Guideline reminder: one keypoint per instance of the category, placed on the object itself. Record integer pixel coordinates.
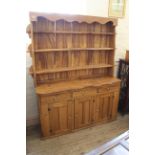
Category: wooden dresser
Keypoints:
(72, 68)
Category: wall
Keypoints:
(89, 7)
(100, 8)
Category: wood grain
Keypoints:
(70, 18)
(73, 64)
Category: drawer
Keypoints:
(108, 88)
(84, 92)
(57, 97)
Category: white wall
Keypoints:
(100, 8)
(89, 7)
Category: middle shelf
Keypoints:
(73, 49)
(70, 68)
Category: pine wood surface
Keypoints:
(65, 49)
(72, 68)
(72, 49)
(76, 84)
(67, 111)
(77, 143)
(70, 18)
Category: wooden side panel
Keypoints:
(111, 105)
(115, 104)
(44, 117)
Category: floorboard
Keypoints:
(76, 143)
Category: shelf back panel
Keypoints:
(64, 34)
(72, 75)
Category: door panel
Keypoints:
(83, 112)
(115, 105)
(44, 117)
(111, 105)
(104, 106)
(60, 116)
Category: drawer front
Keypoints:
(85, 92)
(57, 97)
(109, 88)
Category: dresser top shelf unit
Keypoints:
(70, 47)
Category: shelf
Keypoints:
(72, 68)
(73, 32)
(73, 49)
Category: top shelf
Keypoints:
(34, 16)
(71, 32)
(73, 49)
(77, 32)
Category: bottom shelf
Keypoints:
(74, 84)
(64, 69)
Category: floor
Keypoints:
(76, 143)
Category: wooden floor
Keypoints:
(76, 143)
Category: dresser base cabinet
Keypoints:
(70, 110)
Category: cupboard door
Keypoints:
(115, 105)
(83, 112)
(44, 118)
(60, 115)
(104, 106)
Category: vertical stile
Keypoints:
(70, 52)
(81, 54)
(103, 59)
(106, 45)
(49, 55)
(55, 29)
(102, 45)
(55, 34)
(87, 52)
(112, 52)
(41, 44)
(45, 44)
(50, 45)
(64, 58)
(33, 55)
